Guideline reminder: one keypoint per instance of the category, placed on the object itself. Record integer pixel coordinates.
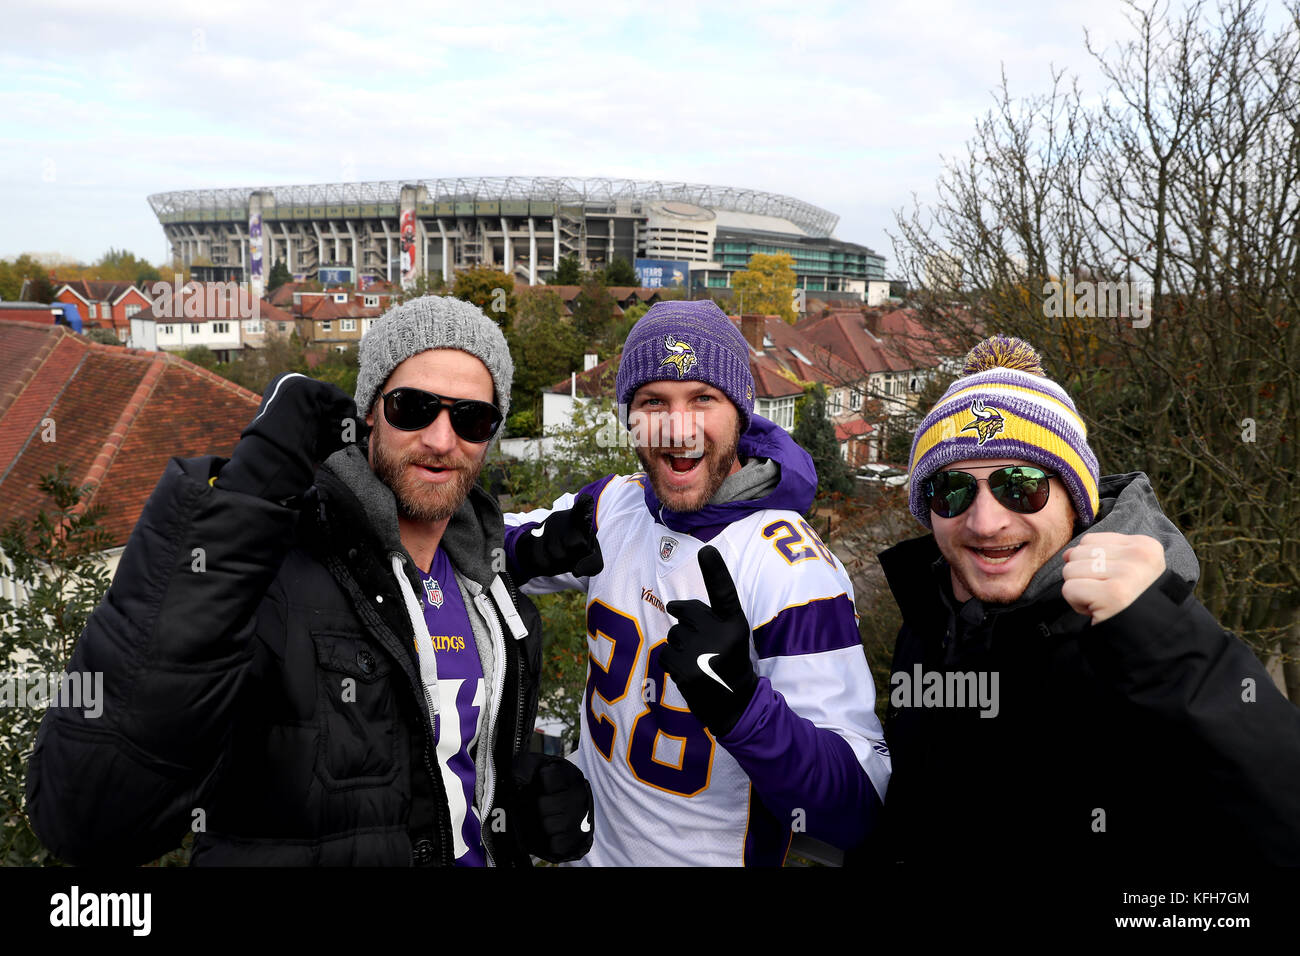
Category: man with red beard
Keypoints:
(728, 703)
(328, 661)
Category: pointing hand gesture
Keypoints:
(708, 649)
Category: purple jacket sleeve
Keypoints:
(809, 739)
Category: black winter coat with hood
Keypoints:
(1154, 737)
(261, 685)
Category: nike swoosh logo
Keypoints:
(539, 530)
(586, 823)
(702, 662)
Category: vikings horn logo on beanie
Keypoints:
(687, 341)
(1005, 406)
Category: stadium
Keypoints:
(675, 233)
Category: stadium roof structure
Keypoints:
(558, 189)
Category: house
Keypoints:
(113, 415)
(223, 316)
(336, 318)
(104, 304)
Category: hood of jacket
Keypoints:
(1128, 506)
(794, 490)
(347, 476)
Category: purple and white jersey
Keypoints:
(808, 755)
(460, 704)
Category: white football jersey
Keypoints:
(808, 755)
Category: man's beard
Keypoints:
(717, 462)
(419, 500)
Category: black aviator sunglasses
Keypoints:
(1019, 488)
(410, 409)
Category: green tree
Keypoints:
(767, 286)
(202, 356)
(568, 272)
(620, 272)
(593, 315)
(122, 266)
(339, 368)
(278, 277)
(816, 434)
(633, 312)
(423, 285)
(41, 289)
(491, 290)
(102, 336)
(54, 560)
(13, 273)
(545, 347)
(255, 368)
(593, 446)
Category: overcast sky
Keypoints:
(846, 105)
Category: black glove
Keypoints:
(565, 542)
(301, 422)
(555, 808)
(708, 649)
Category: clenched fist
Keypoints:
(1105, 572)
(301, 422)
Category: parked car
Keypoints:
(885, 474)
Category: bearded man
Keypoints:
(345, 678)
(728, 703)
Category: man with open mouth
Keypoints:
(1130, 727)
(728, 704)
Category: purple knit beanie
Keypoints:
(681, 341)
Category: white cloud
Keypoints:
(845, 105)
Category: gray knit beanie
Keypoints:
(432, 322)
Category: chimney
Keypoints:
(871, 319)
(589, 361)
(752, 328)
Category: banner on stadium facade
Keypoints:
(255, 251)
(662, 273)
(408, 248)
(335, 275)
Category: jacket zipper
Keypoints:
(517, 740)
(487, 608)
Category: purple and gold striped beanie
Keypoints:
(1005, 406)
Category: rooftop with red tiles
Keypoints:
(116, 416)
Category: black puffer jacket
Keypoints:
(1155, 737)
(261, 685)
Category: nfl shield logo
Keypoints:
(433, 591)
(666, 547)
